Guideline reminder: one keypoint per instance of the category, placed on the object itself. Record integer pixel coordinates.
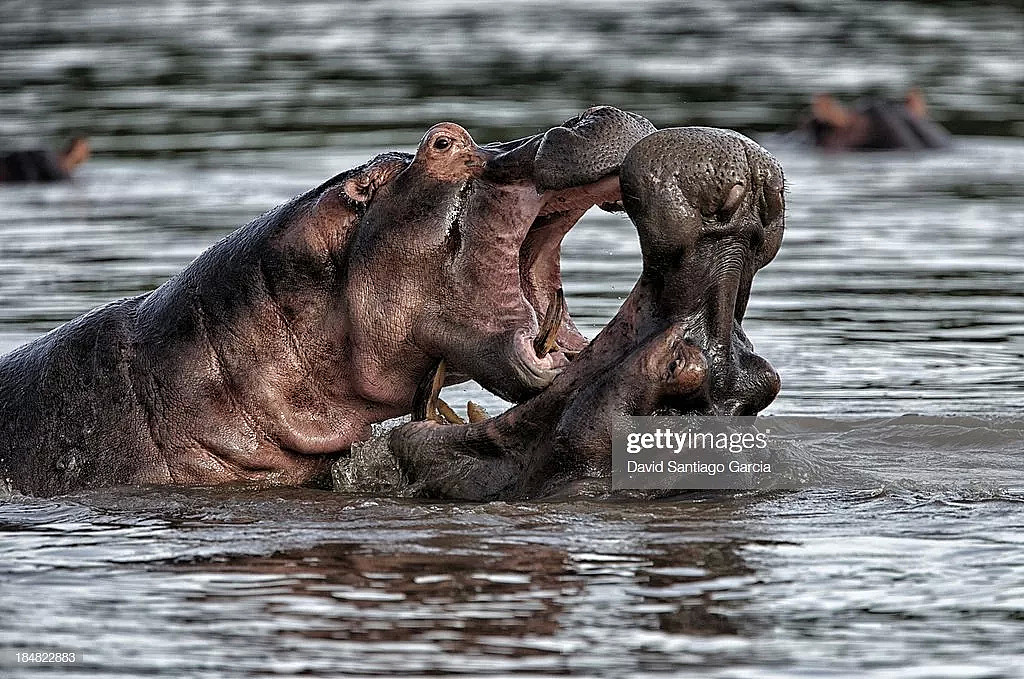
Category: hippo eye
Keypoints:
(442, 143)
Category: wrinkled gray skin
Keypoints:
(709, 208)
(276, 349)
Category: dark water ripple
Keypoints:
(191, 76)
(290, 582)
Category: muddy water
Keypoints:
(899, 290)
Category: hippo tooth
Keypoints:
(449, 415)
(424, 405)
(435, 390)
(546, 336)
(475, 413)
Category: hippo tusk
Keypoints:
(548, 333)
(475, 413)
(424, 404)
(449, 415)
(428, 404)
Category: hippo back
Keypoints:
(68, 410)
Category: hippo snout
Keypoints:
(582, 150)
(744, 384)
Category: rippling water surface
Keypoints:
(899, 290)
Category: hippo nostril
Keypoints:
(687, 372)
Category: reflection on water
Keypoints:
(215, 583)
(899, 289)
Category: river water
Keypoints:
(898, 296)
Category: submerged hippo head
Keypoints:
(458, 255)
(710, 210)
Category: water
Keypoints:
(899, 290)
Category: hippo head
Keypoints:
(457, 255)
(710, 211)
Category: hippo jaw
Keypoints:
(573, 167)
(456, 258)
(518, 333)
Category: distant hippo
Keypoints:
(874, 125)
(40, 165)
(275, 350)
(709, 206)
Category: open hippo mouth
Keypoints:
(463, 247)
(556, 339)
(540, 272)
(555, 177)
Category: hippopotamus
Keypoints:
(874, 124)
(276, 349)
(42, 165)
(709, 206)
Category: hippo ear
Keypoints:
(772, 205)
(341, 200)
(358, 189)
(361, 184)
